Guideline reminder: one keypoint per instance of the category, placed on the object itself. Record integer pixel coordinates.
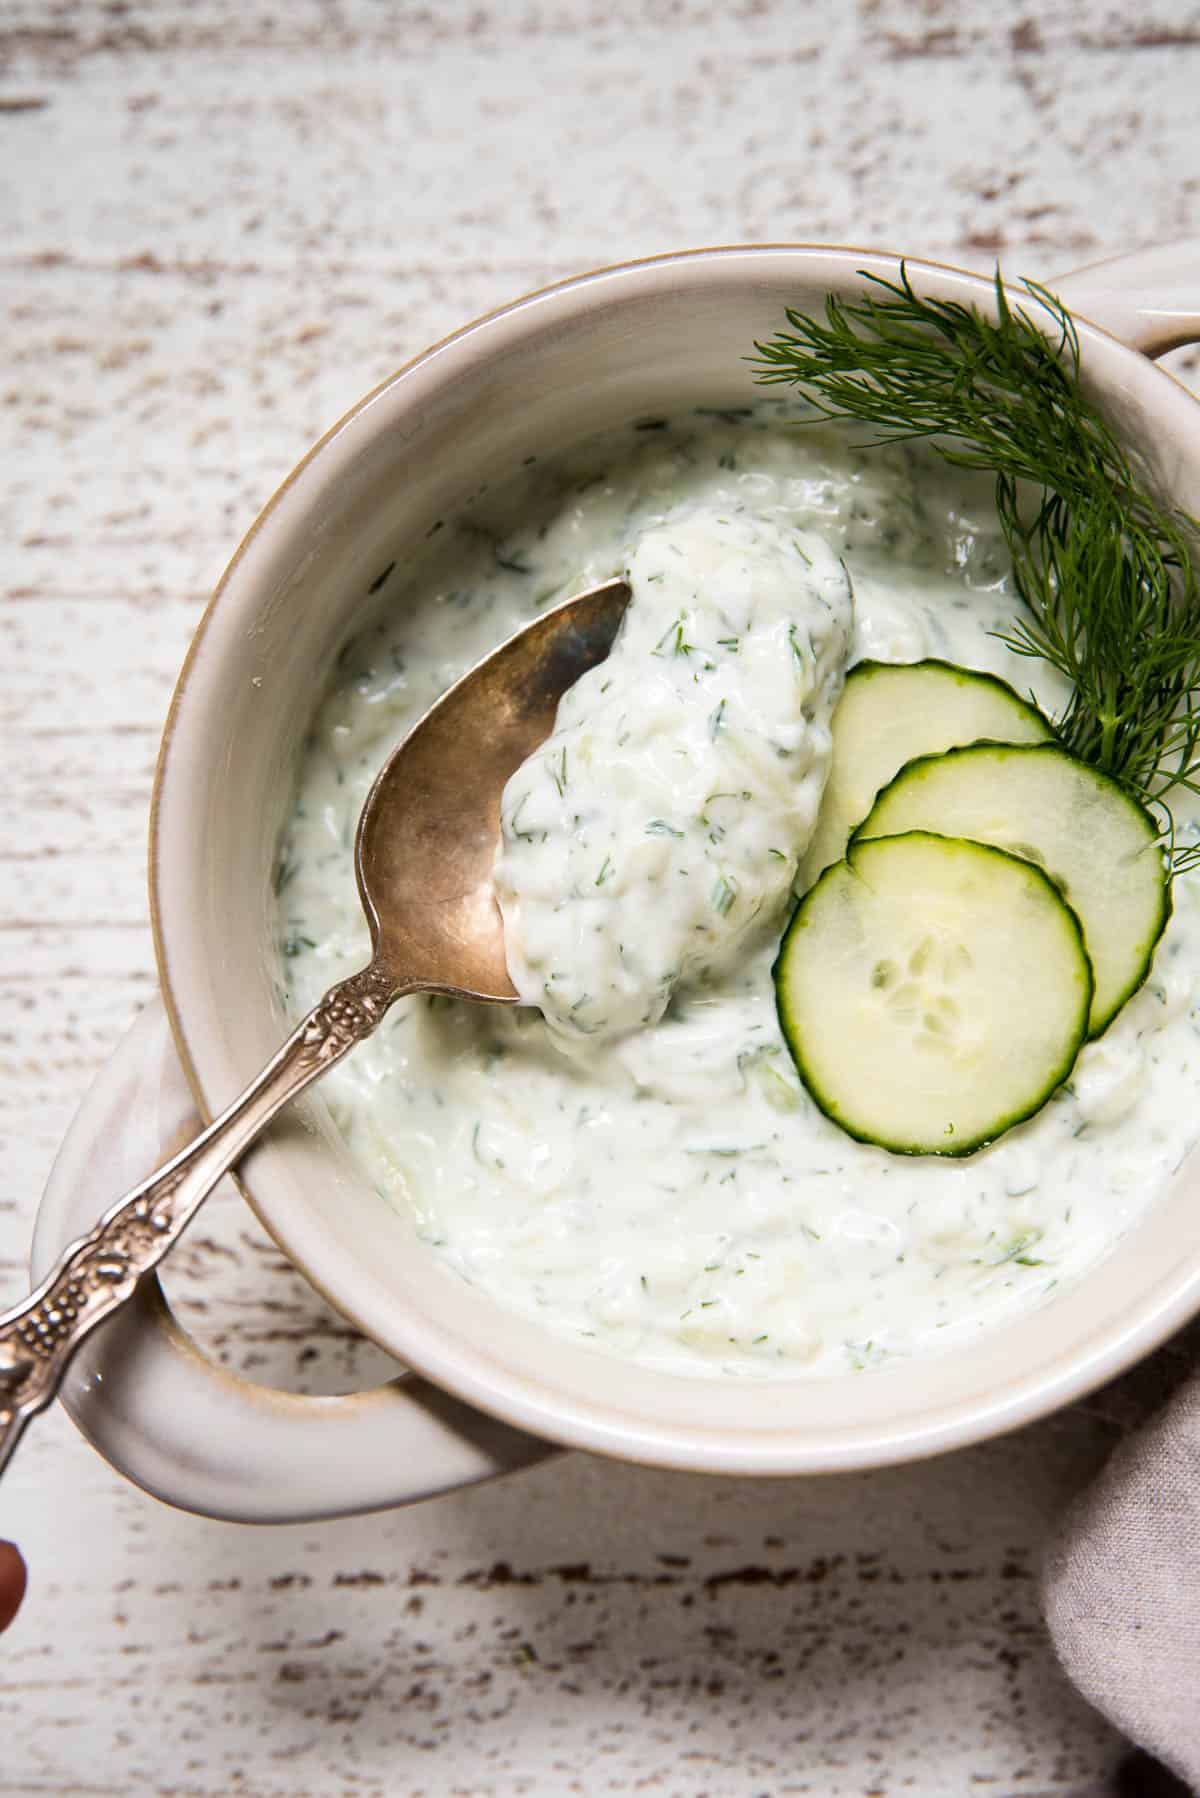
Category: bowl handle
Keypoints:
(188, 1431)
(1148, 298)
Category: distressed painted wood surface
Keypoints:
(219, 224)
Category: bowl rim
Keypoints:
(541, 1408)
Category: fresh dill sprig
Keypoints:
(1104, 568)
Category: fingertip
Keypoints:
(12, 1582)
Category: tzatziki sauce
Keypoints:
(630, 1158)
(653, 839)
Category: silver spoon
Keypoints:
(423, 860)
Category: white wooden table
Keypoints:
(220, 223)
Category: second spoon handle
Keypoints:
(99, 1272)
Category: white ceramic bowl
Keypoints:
(536, 377)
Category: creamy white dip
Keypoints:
(653, 839)
(668, 1191)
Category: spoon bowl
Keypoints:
(428, 832)
(423, 857)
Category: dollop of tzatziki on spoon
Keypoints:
(654, 836)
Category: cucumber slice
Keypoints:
(1099, 846)
(890, 712)
(933, 992)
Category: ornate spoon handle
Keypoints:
(98, 1273)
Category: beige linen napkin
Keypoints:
(1121, 1582)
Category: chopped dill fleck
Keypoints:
(522, 836)
(799, 656)
(515, 564)
(379, 580)
(725, 1151)
(723, 895)
(1017, 1251)
(673, 641)
(605, 871)
(716, 721)
(658, 827)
